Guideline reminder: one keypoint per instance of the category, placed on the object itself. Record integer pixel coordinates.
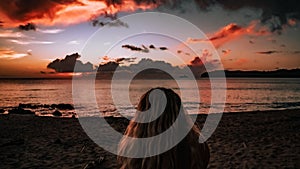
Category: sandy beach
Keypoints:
(242, 140)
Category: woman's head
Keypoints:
(163, 106)
(159, 107)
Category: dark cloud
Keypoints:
(135, 48)
(275, 51)
(203, 63)
(108, 67)
(113, 23)
(182, 52)
(268, 52)
(163, 48)
(27, 27)
(68, 63)
(24, 10)
(157, 69)
(148, 63)
(120, 60)
(296, 52)
(204, 59)
(248, 16)
(112, 16)
(275, 13)
(152, 47)
(123, 60)
(143, 48)
(196, 61)
(198, 67)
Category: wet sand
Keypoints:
(242, 140)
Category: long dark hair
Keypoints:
(188, 154)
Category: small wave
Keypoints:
(285, 105)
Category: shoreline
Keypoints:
(66, 110)
(257, 139)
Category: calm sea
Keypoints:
(242, 94)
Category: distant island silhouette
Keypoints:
(280, 73)
(159, 74)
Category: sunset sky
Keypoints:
(248, 34)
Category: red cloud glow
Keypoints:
(62, 12)
(241, 61)
(230, 32)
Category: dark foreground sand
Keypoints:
(242, 140)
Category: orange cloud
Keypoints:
(105, 58)
(10, 54)
(241, 61)
(231, 32)
(63, 12)
(22, 42)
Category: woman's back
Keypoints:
(187, 154)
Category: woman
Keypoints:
(187, 154)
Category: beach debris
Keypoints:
(83, 147)
(29, 105)
(243, 151)
(100, 160)
(20, 110)
(88, 165)
(57, 113)
(94, 164)
(245, 145)
(63, 106)
(42, 109)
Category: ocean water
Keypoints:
(242, 94)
